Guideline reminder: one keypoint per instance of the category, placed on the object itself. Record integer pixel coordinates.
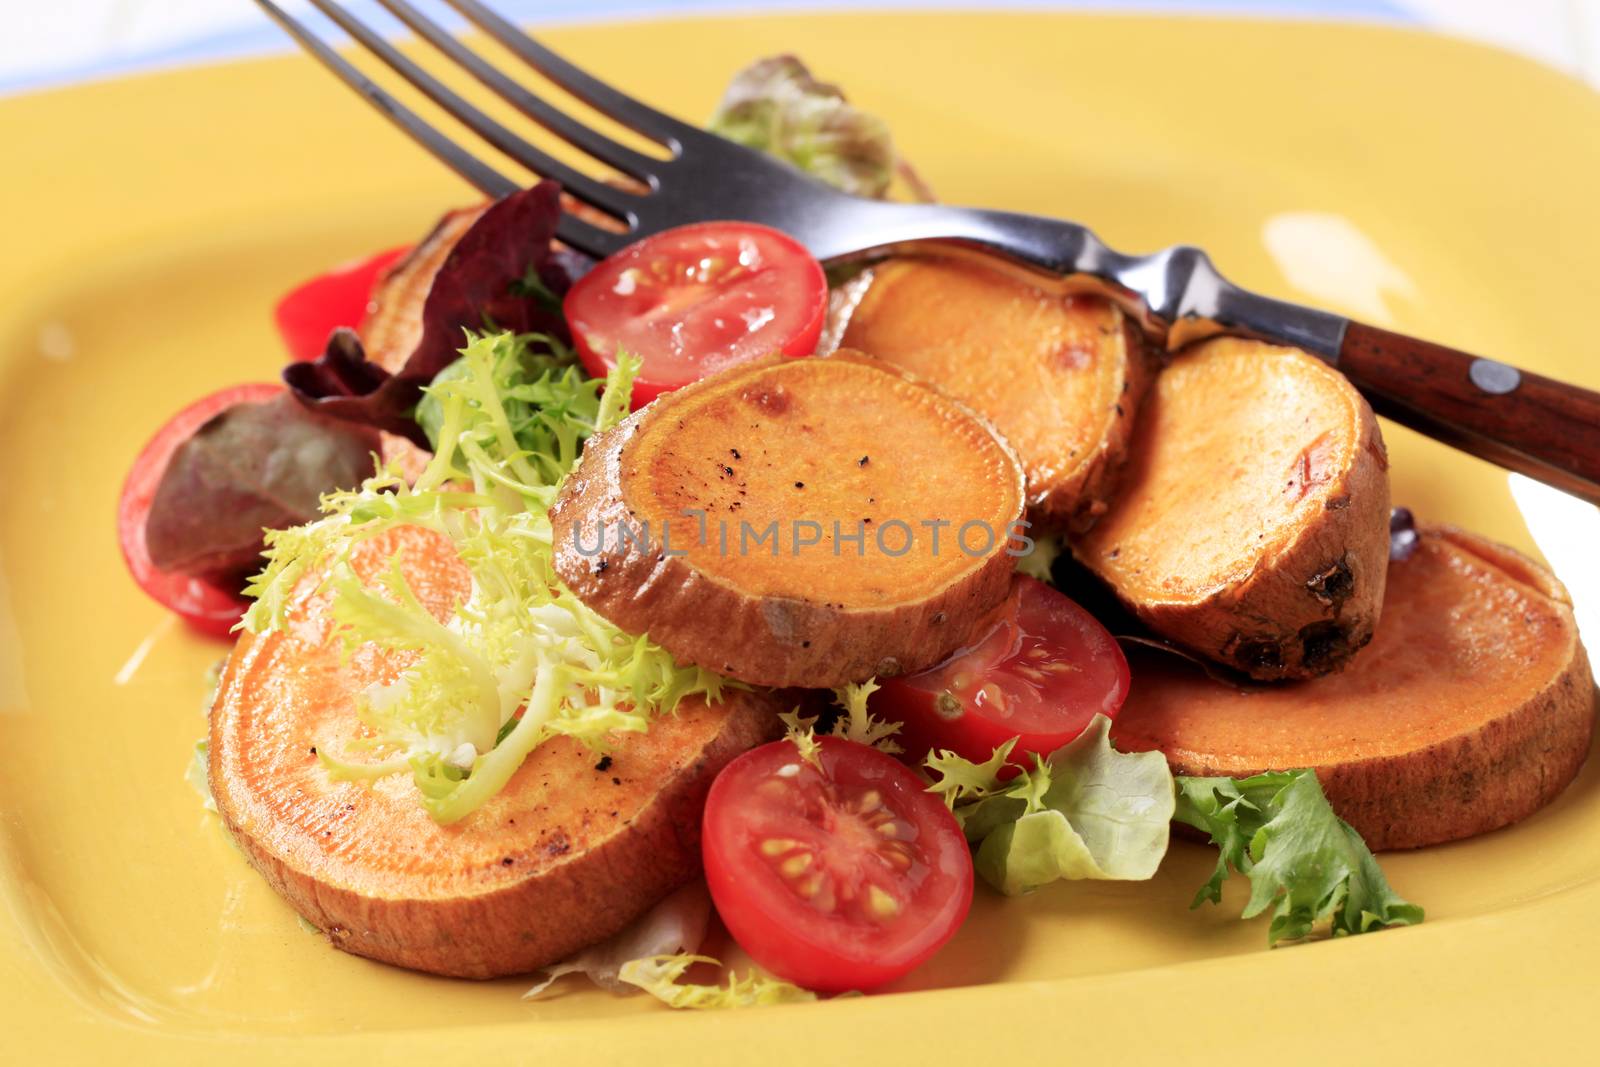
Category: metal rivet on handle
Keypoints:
(1492, 377)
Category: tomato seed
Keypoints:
(881, 904)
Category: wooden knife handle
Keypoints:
(1537, 426)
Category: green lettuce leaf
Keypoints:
(1088, 811)
(776, 106)
(659, 976)
(858, 724)
(523, 659)
(1305, 864)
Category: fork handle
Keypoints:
(1540, 427)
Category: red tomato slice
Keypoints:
(1041, 675)
(205, 606)
(696, 299)
(308, 313)
(839, 876)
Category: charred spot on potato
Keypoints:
(1333, 585)
(1323, 645)
(1256, 654)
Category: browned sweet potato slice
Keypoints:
(1252, 525)
(1059, 376)
(565, 855)
(789, 460)
(1471, 708)
(393, 324)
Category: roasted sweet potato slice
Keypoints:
(1471, 708)
(811, 522)
(393, 324)
(1059, 376)
(1253, 522)
(567, 854)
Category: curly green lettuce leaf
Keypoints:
(532, 372)
(522, 659)
(1305, 864)
(960, 781)
(1088, 811)
(857, 723)
(800, 730)
(776, 106)
(659, 976)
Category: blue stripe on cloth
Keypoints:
(263, 37)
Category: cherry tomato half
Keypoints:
(1041, 675)
(308, 313)
(693, 300)
(205, 606)
(839, 875)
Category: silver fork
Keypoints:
(1544, 428)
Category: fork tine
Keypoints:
(572, 131)
(597, 94)
(591, 191)
(486, 178)
(589, 238)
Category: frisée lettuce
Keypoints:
(522, 659)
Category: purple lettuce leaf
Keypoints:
(502, 274)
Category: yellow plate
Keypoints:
(150, 224)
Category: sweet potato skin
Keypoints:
(775, 638)
(570, 852)
(1302, 597)
(1060, 376)
(1472, 708)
